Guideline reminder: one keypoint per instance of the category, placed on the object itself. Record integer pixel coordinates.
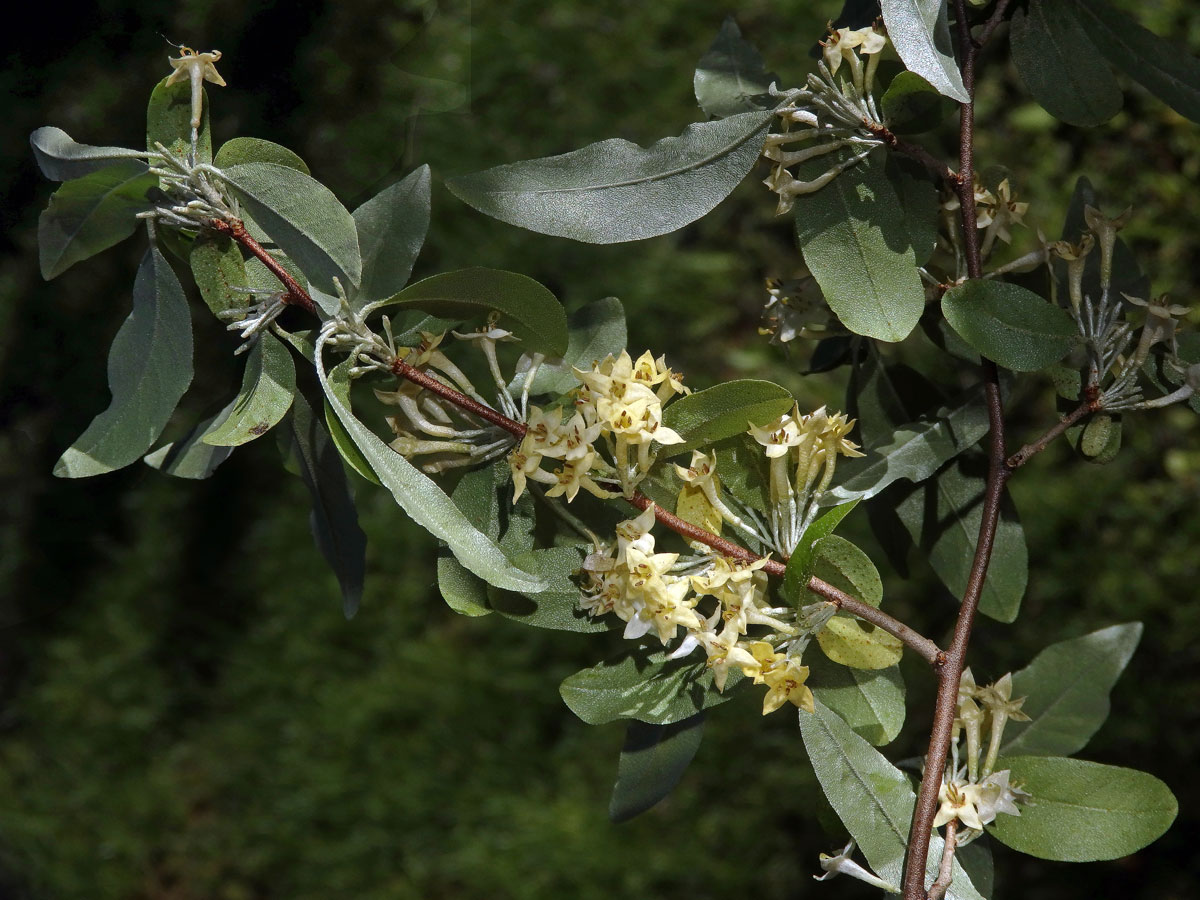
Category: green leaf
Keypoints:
(555, 608)
(644, 686)
(426, 503)
(870, 701)
(800, 563)
(943, 515)
(391, 229)
(218, 269)
(911, 104)
(918, 449)
(872, 798)
(731, 77)
(920, 31)
(334, 519)
(61, 159)
(169, 121)
(1066, 690)
(462, 591)
(92, 213)
(594, 331)
(921, 204)
(1162, 67)
(1083, 811)
(723, 411)
(653, 759)
(1013, 327)
(304, 218)
(616, 191)
(529, 310)
(345, 445)
(149, 368)
(855, 241)
(190, 457)
(255, 150)
(268, 386)
(1060, 66)
(845, 639)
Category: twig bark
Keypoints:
(945, 877)
(293, 292)
(1022, 456)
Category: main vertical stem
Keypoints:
(951, 671)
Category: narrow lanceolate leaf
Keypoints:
(1066, 690)
(731, 77)
(190, 457)
(920, 31)
(169, 121)
(871, 702)
(219, 270)
(844, 639)
(855, 241)
(1012, 326)
(149, 368)
(426, 503)
(248, 150)
(268, 386)
(800, 563)
(653, 760)
(334, 519)
(872, 798)
(304, 218)
(1060, 65)
(918, 449)
(943, 515)
(60, 158)
(593, 332)
(529, 310)
(92, 213)
(1083, 811)
(643, 686)
(616, 191)
(557, 607)
(723, 411)
(391, 229)
(1163, 67)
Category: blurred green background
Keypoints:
(185, 713)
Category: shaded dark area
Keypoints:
(184, 711)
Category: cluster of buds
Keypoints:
(715, 600)
(975, 794)
(833, 112)
(802, 451)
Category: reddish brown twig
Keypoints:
(1022, 456)
(293, 292)
(916, 151)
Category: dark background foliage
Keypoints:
(185, 713)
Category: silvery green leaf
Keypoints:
(248, 150)
(557, 607)
(268, 386)
(218, 269)
(61, 159)
(334, 518)
(872, 798)
(1010, 325)
(916, 450)
(870, 701)
(391, 229)
(731, 77)
(653, 759)
(463, 592)
(190, 456)
(855, 240)
(169, 121)
(920, 31)
(426, 503)
(723, 411)
(1060, 66)
(149, 368)
(92, 213)
(1083, 811)
(594, 331)
(304, 218)
(529, 310)
(616, 191)
(1066, 690)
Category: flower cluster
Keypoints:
(834, 112)
(661, 592)
(995, 212)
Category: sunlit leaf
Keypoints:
(1083, 811)
(920, 31)
(255, 150)
(268, 385)
(169, 121)
(391, 229)
(149, 368)
(61, 159)
(594, 331)
(557, 607)
(723, 411)
(463, 592)
(871, 702)
(616, 191)
(801, 562)
(653, 759)
(844, 639)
